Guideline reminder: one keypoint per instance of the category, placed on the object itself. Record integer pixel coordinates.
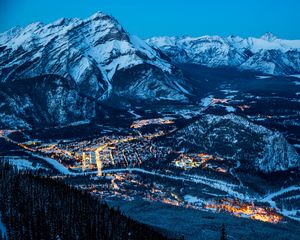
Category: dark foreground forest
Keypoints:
(37, 207)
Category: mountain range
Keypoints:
(85, 63)
(68, 70)
(266, 55)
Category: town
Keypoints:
(117, 166)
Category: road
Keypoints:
(269, 199)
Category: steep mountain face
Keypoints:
(268, 54)
(42, 101)
(96, 56)
(234, 137)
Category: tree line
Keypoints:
(40, 207)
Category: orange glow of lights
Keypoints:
(249, 210)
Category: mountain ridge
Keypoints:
(95, 55)
(267, 54)
(234, 137)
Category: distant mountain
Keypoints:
(267, 55)
(90, 61)
(234, 137)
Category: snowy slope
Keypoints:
(234, 137)
(267, 54)
(88, 51)
(95, 58)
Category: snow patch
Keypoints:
(55, 164)
(134, 114)
(296, 83)
(193, 200)
(295, 75)
(263, 77)
(23, 164)
(205, 102)
(230, 109)
(228, 91)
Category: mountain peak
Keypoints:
(269, 36)
(97, 15)
(268, 54)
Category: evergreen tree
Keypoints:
(39, 207)
(223, 232)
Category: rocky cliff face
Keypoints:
(43, 101)
(234, 137)
(267, 55)
(95, 56)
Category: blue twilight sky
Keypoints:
(147, 18)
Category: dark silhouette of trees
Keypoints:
(39, 207)
(223, 232)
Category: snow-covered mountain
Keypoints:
(96, 56)
(234, 137)
(268, 54)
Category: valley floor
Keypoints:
(136, 164)
(196, 225)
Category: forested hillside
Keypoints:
(37, 207)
